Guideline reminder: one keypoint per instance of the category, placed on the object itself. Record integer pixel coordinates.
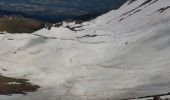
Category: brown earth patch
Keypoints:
(19, 24)
(9, 86)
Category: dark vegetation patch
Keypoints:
(19, 24)
(9, 86)
(161, 10)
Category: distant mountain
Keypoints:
(56, 10)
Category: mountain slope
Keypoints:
(121, 54)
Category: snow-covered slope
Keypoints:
(121, 54)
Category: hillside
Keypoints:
(19, 24)
(121, 54)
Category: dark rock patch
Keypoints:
(130, 14)
(48, 26)
(155, 97)
(76, 28)
(87, 36)
(135, 12)
(161, 10)
(9, 86)
(121, 19)
(144, 3)
(153, 2)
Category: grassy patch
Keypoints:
(19, 24)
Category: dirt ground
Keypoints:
(9, 86)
